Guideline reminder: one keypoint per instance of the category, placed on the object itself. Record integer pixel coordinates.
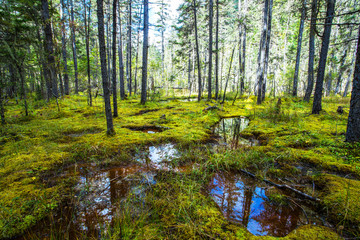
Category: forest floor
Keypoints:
(175, 170)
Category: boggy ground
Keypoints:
(38, 154)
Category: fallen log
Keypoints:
(284, 186)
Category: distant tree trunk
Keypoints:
(217, 52)
(2, 110)
(329, 76)
(114, 85)
(267, 51)
(121, 62)
(349, 77)
(211, 6)
(197, 51)
(137, 53)
(87, 36)
(104, 73)
(74, 47)
(189, 72)
(64, 53)
(243, 77)
(262, 50)
(298, 50)
(129, 50)
(228, 76)
(323, 56)
(310, 83)
(341, 70)
(49, 49)
(145, 52)
(353, 127)
(23, 90)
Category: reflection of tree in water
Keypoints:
(278, 220)
(229, 129)
(242, 201)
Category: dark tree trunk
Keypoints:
(323, 56)
(210, 46)
(12, 88)
(217, 52)
(243, 76)
(310, 83)
(262, 50)
(49, 49)
(197, 51)
(87, 39)
(137, 54)
(267, 51)
(23, 90)
(298, 50)
(353, 127)
(114, 84)
(2, 110)
(64, 53)
(145, 52)
(129, 50)
(121, 62)
(74, 47)
(104, 73)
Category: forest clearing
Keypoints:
(189, 119)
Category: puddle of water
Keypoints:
(148, 129)
(188, 100)
(245, 201)
(228, 131)
(101, 192)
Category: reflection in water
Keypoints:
(242, 201)
(229, 130)
(101, 191)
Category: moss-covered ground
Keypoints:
(296, 146)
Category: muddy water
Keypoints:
(246, 201)
(228, 132)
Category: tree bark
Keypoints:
(228, 76)
(104, 73)
(323, 56)
(145, 52)
(211, 6)
(262, 50)
(341, 70)
(64, 53)
(121, 62)
(2, 110)
(74, 47)
(197, 50)
(310, 83)
(114, 84)
(129, 50)
(267, 51)
(298, 50)
(349, 77)
(217, 52)
(87, 39)
(137, 54)
(49, 48)
(353, 127)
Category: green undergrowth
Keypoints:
(35, 150)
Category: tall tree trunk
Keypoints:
(210, 46)
(121, 62)
(323, 56)
(217, 52)
(243, 76)
(341, 70)
(23, 90)
(2, 110)
(298, 50)
(49, 47)
(197, 51)
(129, 50)
(310, 83)
(267, 51)
(63, 42)
(104, 73)
(262, 50)
(87, 39)
(353, 126)
(114, 85)
(74, 47)
(137, 53)
(107, 23)
(145, 52)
